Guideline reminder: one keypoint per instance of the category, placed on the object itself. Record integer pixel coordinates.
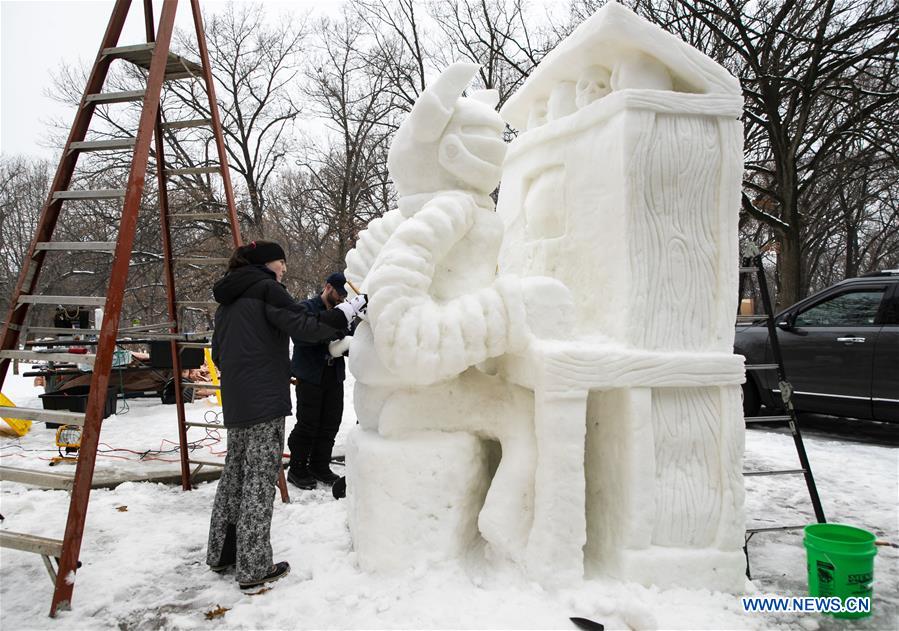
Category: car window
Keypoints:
(855, 308)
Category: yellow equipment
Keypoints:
(18, 425)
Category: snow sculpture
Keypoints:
(436, 309)
(632, 202)
(620, 442)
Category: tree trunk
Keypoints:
(789, 269)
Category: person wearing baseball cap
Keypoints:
(320, 376)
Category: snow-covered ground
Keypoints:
(144, 546)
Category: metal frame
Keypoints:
(752, 264)
(149, 126)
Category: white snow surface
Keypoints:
(144, 567)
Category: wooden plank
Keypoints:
(195, 344)
(115, 97)
(208, 463)
(74, 358)
(204, 260)
(37, 478)
(194, 122)
(192, 171)
(103, 145)
(101, 193)
(81, 301)
(212, 425)
(122, 51)
(201, 216)
(77, 246)
(202, 385)
(31, 543)
(48, 416)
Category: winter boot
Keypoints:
(320, 459)
(279, 570)
(301, 478)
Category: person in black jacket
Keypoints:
(255, 318)
(320, 378)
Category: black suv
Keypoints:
(840, 349)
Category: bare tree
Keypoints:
(814, 74)
(500, 35)
(343, 182)
(257, 66)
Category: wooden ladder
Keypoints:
(161, 65)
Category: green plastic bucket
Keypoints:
(840, 563)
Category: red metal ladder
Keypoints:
(162, 65)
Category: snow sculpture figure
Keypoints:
(436, 310)
(622, 442)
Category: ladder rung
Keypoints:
(103, 145)
(767, 419)
(77, 246)
(200, 216)
(196, 260)
(782, 472)
(192, 171)
(122, 52)
(212, 425)
(748, 270)
(773, 529)
(197, 303)
(208, 463)
(31, 543)
(101, 193)
(761, 366)
(36, 478)
(52, 330)
(141, 55)
(74, 358)
(115, 97)
(196, 122)
(81, 301)
(748, 319)
(194, 344)
(207, 385)
(37, 414)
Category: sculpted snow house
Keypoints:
(578, 410)
(624, 184)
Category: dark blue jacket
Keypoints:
(311, 359)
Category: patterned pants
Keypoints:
(239, 530)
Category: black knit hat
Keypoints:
(261, 252)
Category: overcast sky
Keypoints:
(37, 36)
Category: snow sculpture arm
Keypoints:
(423, 340)
(360, 259)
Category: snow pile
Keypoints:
(144, 552)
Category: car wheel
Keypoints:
(751, 401)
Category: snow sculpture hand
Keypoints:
(338, 348)
(548, 306)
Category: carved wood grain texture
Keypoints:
(687, 433)
(673, 195)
